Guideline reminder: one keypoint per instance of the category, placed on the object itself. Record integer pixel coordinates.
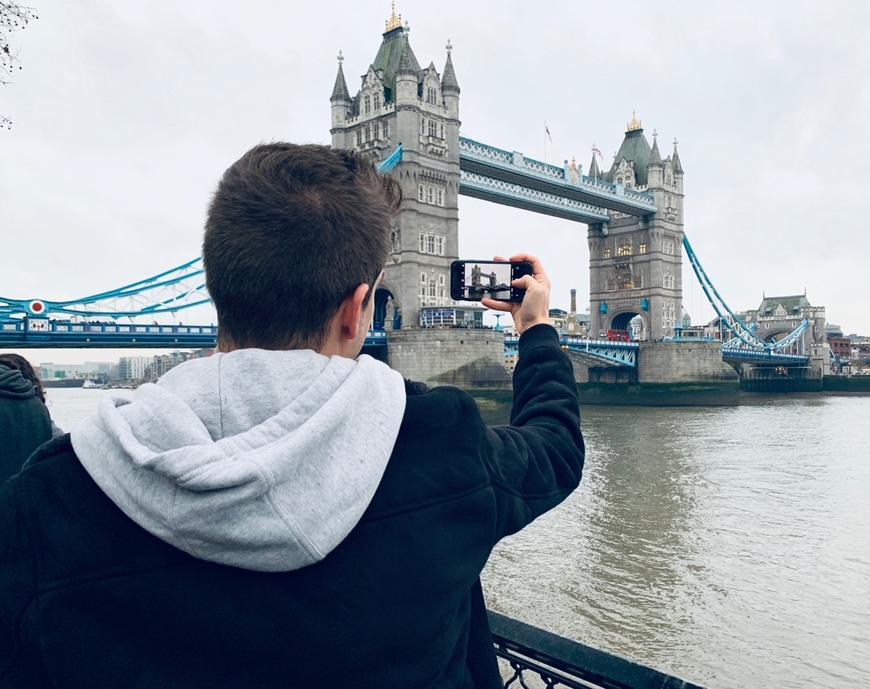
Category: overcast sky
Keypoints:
(127, 112)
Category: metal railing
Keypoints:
(531, 657)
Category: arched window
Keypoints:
(368, 106)
(377, 101)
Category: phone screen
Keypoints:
(474, 280)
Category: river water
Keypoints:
(729, 546)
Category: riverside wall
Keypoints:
(668, 373)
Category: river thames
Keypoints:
(727, 545)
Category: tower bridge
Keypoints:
(407, 118)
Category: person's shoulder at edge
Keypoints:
(56, 446)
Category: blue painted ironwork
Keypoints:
(514, 168)
(744, 338)
(29, 333)
(735, 342)
(173, 290)
(387, 164)
(764, 356)
(519, 196)
(43, 332)
(595, 352)
(534, 657)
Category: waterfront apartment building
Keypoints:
(133, 367)
(162, 363)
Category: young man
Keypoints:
(285, 512)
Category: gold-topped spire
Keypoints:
(395, 20)
(635, 123)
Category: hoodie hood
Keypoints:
(258, 459)
(14, 385)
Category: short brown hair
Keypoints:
(291, 231)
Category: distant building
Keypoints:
(841, 347)
(133, 367)
(89, 369)
(162, 363)
(570, 322)
(776, 317)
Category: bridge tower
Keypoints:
(400, 103)
(635, 264)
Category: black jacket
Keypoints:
(24, 421)
(89, 599)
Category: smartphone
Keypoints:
(474, 280)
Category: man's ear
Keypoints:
(350, 311)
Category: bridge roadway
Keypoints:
(44, 333)
(509, 178)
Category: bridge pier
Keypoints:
(779, 379)
(668, 374)
(683, 362)
(468, 358)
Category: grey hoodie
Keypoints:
(259, 459)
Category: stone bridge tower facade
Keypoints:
(400, 103)
(635, 264)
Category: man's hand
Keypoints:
(535, 306)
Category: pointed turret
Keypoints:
(675, 159)
(656, 168)
(406, 75)
(449, 86)
(339, 91)
(340, 99)
(655, 157)
(407, 63)
(448, 81)
(594, 170)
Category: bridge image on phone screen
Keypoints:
(474, 280)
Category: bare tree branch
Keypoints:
(13, 17)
